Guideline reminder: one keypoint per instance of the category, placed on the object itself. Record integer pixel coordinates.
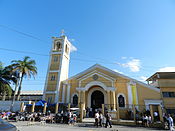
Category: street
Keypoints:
(22, 126)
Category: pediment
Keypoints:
(106, 73)
(101, 70)
(96, 76)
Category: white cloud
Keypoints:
(134, 65)
(167, 69)
(123, 57)
(143, 78)
(72, 40)
(118, 71)
(73, 48)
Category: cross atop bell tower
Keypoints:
(62, 32)
(58, 68)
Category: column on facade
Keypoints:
(22, 107)
(81, 102)
(113, 100)
(160, 113)
(56, 108)
(81, 112)
(118, 112)
(33, 107)
(151, 111)
(108, 98)
(63, 93)
(134, 112)
(68, 107)
(103, 109)
(83, 99)
(44, 109)
(68, 94)
(79, 98)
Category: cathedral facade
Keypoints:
(95, 86)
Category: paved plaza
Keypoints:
(22, 126)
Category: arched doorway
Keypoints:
(97, 99)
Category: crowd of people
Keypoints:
(66, 117)
(169, 123)
(103, 121)
(70, 117)
(147, 120)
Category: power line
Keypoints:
(37, 38)
(76, 59)
(22, 33)
(24, 52)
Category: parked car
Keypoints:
(5, 126)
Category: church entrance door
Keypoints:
(97, 99)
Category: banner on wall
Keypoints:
(134, 94)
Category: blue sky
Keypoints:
(134, 37)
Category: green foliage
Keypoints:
(1, 65)
(10, 74)
(26, 68)
(5, 89)
(5, 80)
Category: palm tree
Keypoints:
(26, 68)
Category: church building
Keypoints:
(95, 86)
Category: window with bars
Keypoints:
(168, 94)
(55, 58)
(121, 101)
(75, 100)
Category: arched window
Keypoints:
(121, 101)
(75, 100)
(67, 49)
(52, 78)
(57, 46)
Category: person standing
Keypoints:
(108, 120)
(87, 112)
(171, 124)
(96, 119)
(156, 116)
(149, 120)
(90, 112)
(145, 119)
(100, 118)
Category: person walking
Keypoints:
(171, 124)
(108, 120)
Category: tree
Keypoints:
(5, 80)
(26, 68)
(15, 80)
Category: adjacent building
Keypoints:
(31, 95)
(165, 81)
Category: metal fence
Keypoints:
(128, 112)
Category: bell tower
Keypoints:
(57, 69)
